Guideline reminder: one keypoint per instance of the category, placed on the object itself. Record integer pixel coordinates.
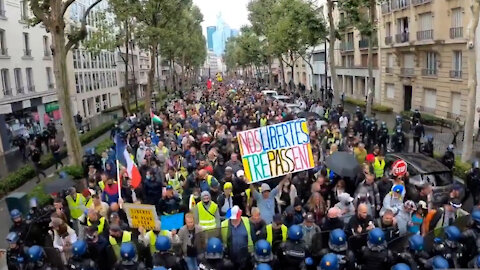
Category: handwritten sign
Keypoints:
(141, 215)
(275, 150)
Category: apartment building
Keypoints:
(423, 56)
(26, 74)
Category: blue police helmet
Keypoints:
(450, 147)
(33, 202)
(476, 215)
(337, 240)
(376, 237)
(214, 249)
(309, 261)
(127, 251)
(329, 262)
(35, 253)
(63, 175)
(79, 248)
(295, 233)
(15, 213)
(415, 242)
(264, 266)
(439, 262)
(477, 261)
(162, 243)
(263, 251)
(400, 266)
(453, 233)
(159, 268)
(12, 237)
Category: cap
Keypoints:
(310, 218)
(169, 187)
(234, 213)
(240, 173)
(227, 185)
(277, 218)
(345, 197)
(265, 187)
(398, 189)
(455, 203)
(205, 193)
(423, 205)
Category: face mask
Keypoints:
(148, 177)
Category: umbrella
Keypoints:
(58, 185)
(309, 115)
(343, 164)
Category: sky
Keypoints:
(234, 12)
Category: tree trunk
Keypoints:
(74, 147)
(371, 86)
(282, 69)
(472, 81)
(292, 69)
(126, 88)
(270, 73)
(331, 52)
(151, 78)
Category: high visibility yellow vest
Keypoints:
(248, 193)
(89, 203)
(263, 122)
(153, 238)
(209, 180)
(205, 219)
(76, 207)
(191, 202)
(225, 228)
(126, 237)
(100, 226)
(101, 184)
(378, 167)
(269, 230)
(175, 182)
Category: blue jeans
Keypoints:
(191, 263)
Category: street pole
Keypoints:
(134, 77)
(326, 69)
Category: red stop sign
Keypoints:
(399, 168)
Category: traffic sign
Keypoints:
(399, 168)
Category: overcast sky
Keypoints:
(234, 12)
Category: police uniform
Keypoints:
(168, 260)
(292, 255)
(81, 264)
(216, 264)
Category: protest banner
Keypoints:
(141, 215)
(172, 222)
(275, 150)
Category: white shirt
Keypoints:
(343, 121)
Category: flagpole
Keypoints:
(118, 180)
(151, 119)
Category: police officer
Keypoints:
(427, 146)
(365, 129)
(16, 255)
(80, 259)
(451, 249)
(415, 255)
(471, 236)
(36, 256)
(439, 262)
(372, 133)
(337, 243)
(418, 133)
(416, 117)
(399, 122)
(400, 266)
(376, 256)
(473, 181)
(213, 258)
(359, 114)
(129, 258)
(383, 137)
(398, 140)
(292, 252)
(448, 158)
(263, 253)
(163, 257)
(19, 225)
(329, 262)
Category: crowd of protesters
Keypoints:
(190, 163)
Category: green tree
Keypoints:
(52, 15)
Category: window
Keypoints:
(114, 78)
(430, 99)
(6, 82)
(456, 71)
(80, 81)
(46, 47)
(402, 30)
(75, 58)
(24, 10)
(425, 26)
(30, 84)
(430, 64)
(320, 56)
(49, 78)
(17, 74)
(456, 31)
(77, 84)
(84, 59)
(390, 89)
(3, 43)
(26, 40)
(388, 29)
(2, 8)
(390, 60)
(456, 103)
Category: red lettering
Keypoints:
(257, 143)
(245, 142)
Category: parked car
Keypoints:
(423, 169)
(269, 93)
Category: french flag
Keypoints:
(124, 158)
(234, 213)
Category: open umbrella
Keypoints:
(343, 164)
(313, 115)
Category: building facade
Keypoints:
(423, 56)
(28, 93)
(210, 31)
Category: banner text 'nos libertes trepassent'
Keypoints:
(275, 150)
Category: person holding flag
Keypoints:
(123, 158)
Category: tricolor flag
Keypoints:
(234, 213)
(155, 118)
(124, 158)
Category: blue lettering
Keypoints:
(279, 135)
(265, 142)
(272, 136)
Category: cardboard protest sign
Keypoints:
(141, 215)
(275, 150)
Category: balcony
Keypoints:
(51, 86)
(420, 2)
(388, 40)
(455, 74)
(402, 37)
(347, 46)
(456, 32)
(3, 52)
(425, 35)
(407, 72)
(451, 115)
(389, 70)
(386, 8)
(20, 90)
(31, 89)
(7, 91)
(363, 44)
(400, 4)
(429, 72)
(27, 52)
(427, 109)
